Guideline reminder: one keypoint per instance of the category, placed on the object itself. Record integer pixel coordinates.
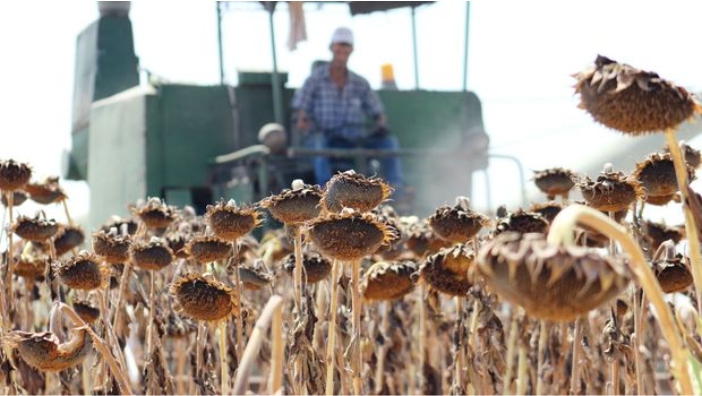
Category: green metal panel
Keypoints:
(153, 147)
(117, 64)
(434, 120)
(78, 157)
(431, 118)
(105, 64)
(197, 126)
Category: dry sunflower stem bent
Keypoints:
(561, 233)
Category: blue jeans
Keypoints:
(390, 167)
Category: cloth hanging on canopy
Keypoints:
(298, 31)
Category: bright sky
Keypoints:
(522, 55)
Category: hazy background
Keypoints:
(522, 55)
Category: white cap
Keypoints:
(272, 135)
(342, 35)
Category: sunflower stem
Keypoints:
(237, 294)
(522, 369)
(10, 264)
(382, 353)
(561, 232)
(299, 286)
(200, 348)
(123, 286)
(3, 300)
(636, 342)
(543, 341)
(65, 209)
(511, 346)
(458, 363)
(690, 226)
(109, 332)
(150, 328)
(278, 355)
(181, 356)
(299, 289)
(223, 356)
(119, 373)
(273, 308)
(331, 337)
(356, 307)
(474, 324)
(422, 338)
(575, 365)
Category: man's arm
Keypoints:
(302, 102)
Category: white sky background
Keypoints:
(521, 57)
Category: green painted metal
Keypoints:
(105, 64)
(196, 126)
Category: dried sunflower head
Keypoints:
(591, 237)
(612, 192)
(388, 280)
(550, 282)
(177, 244)
(111, 246)
(422, 240)
(35, 229)
(549, 210)
(230, 222)
(278, 243)
(128, 225)
(657, 175)
(14, 175)
(555, 182)
(632, 101)
(68, 237)
(693, 158)
(296, 205)
(153, 255)
(83, 272)
(448, 270)
(657, 233)
(155, 214)
(673, 273)
(254, 277)
(45, 192)
(459, 223)
(208, 248)
(44, 352)
(204, 299)
(31, 263)
(393, 248)
(352, 190)
(520, 221)
(349, 235)
(87, 311)
(179, 327)
(316, 266)
(18, 198)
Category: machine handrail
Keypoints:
(259, 150)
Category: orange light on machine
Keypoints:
(388, 76)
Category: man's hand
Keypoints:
(303, 124)
(380, 131)
(381, 121)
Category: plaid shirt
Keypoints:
(334, 111)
